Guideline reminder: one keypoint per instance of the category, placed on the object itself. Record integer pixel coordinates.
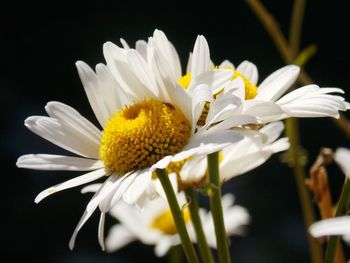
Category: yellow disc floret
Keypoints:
(142, 134)
(165, 221)
(185, 80)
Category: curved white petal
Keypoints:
(201, 94)
(169, 53)
(72, 118)
(97, 94)
(265, 111)
(215, 79)
(101, 230)
(277, 83)
(331, 227)
(91, 188)
(138, 186)
(141, 47)
(206, 143)
(164, 244)
(93, 204)
(118, 237)
(233, 121)
(57, 162)
(342, 158)
(83, 179)
(124, 43)
(194, 169)
(273, 130)
(67, 137)
(227, 64)
(201, 57)
(249, 70)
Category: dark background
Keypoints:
(40, 44)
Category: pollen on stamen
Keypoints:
(142, 134)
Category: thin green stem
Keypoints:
(177, 215)
(292, 131)
(204, 249)
(296, 26)
(216, 208)
(342, 209)
(174, 254)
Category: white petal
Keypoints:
(201, 57)
(141, 182)
(273, 131)
(163, 246)
(224, 106)
(124, 43)
(144, 74)
(72, 118)
(57, 162)
(141, 47)
(266, 111)
(277, 83)
(92, 205)
(161, 164)
(169, 53)
(194, 169)
(117, 192)
(249, 70)
(331, 227)
(93, 91)
(227, 64)
(101, 230)
(189, 63)
(206, 143)
(215, 79)
(233, 121)
(117, 63)
(201, 94)
(181, 99)
(118, 237)
(83, 179)
(91, 188)
(342, 157)
(62, 135)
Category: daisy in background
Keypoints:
(267, 102)
(337, 226)
(154, 225)
(237, 159)
(147, 121)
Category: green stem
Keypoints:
(292, 131)
(204, 249)
(342, 209)
(174, 254)
(216, 208)
(296, 26)
(177, 216)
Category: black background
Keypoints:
(40, 44)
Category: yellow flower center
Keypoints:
(142, 134)
(165, 221)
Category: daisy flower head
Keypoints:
(154, 224)
(147, 121)
(268, 102)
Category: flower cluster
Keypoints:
(158, 120)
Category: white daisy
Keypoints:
(267, 101)
(147, 121)
(154, 224)
(239, 158)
